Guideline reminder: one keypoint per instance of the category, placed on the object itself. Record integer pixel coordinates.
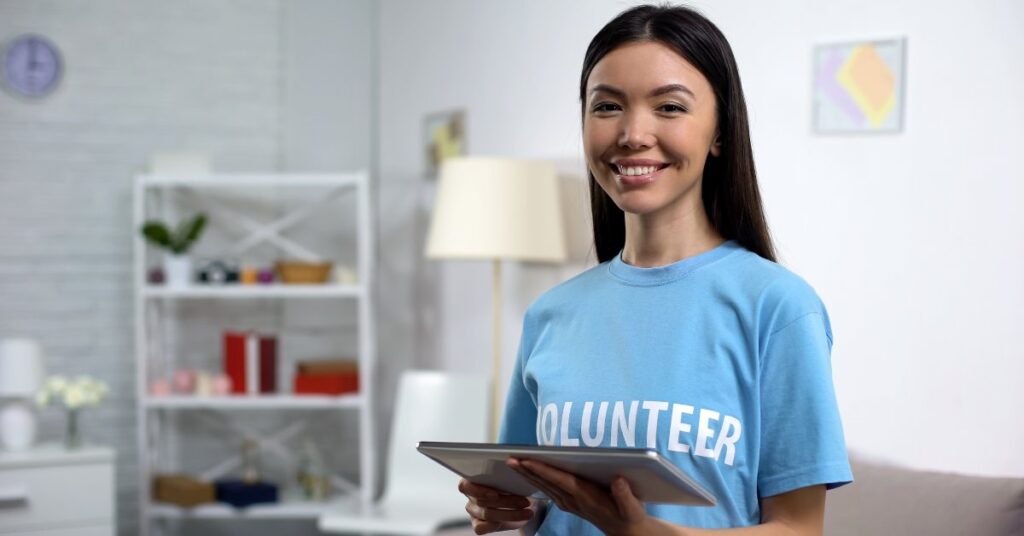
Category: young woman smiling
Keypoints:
(688, 337)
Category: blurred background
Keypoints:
(911, 235)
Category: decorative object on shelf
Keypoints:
(313, 476)
(250, 361)
(858, 86)
(160, 387)
(221, 385)
(249, 489)
(183, 490)
(497, 209)
(249, 275)
(155, 276)
(21, 374)
(444, 137)
(75, 395)
(177, 265)
(265, 276)
(346, 275)
(32, 66)
(184, 382)
(301, 272)
(333, 377)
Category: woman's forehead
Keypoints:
(643, 66)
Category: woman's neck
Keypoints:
(659, 239)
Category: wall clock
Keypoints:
(32, 66)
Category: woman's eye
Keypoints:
(605, 107)
(672, 108)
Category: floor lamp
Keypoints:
(497, 209)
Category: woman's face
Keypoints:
(649, 123)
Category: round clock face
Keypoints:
(31, 66)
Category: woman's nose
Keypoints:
(635, 132)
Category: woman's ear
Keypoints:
(716, 146)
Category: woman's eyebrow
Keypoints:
(668, 88)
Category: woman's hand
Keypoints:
(491, 510)
(615, 512)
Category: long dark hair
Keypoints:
(729, 185)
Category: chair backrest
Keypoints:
(432, 406)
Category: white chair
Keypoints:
(420, 496)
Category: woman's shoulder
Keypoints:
(773, 287)
(569, 293)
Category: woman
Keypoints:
(688, 337)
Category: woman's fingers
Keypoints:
(476, 490)
(492, 498)
(484, 527)
(629, 506)
(498, 515)
(507, 502)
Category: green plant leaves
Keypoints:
(186, 233)
(157, 233)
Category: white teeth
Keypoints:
(633, 171)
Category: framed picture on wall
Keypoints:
(858, 86)
(444, 136)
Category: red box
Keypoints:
(326, 384)
(250, 360)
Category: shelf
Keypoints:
(239, 291)
(229, 180)
(283, 510)
(286, 401)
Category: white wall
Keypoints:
(139, 77)
(909, 238)
(257, 86)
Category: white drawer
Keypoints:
(59, 496)
(92, 530)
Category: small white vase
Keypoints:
(17, 423)
(178, 270)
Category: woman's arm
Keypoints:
(799, 512)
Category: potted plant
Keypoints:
(177, 265)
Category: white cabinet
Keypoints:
(49, 491)
(155, 341)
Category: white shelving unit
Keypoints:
(149, 300)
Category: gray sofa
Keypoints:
(886, 500)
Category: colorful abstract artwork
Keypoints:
(859, 86)
(444, 137)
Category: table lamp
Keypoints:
(21, 376)
(497, 209)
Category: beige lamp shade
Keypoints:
(496, 208)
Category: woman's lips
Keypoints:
(637, 180)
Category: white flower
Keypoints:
(73, 397)
(81, 392)
(56, 384)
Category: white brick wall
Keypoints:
(141, 76)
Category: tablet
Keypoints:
(652, 478)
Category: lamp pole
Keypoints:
(496, 364)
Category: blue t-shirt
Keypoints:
(720, 361)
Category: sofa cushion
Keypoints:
(885, 499)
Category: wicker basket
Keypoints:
(298, 272)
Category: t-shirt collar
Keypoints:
(670, 272)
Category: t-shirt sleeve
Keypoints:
(802, 442)
(519, 421)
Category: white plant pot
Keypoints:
(178, 270)
(17, 424)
